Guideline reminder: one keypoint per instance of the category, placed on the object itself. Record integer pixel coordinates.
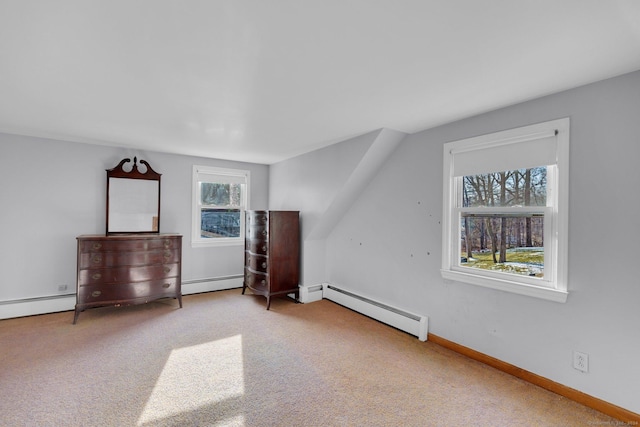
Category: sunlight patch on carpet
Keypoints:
(197, 378)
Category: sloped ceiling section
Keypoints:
(384, 143)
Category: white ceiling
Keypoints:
(265, 80)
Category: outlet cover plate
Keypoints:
(581, 361)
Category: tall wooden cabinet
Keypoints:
(127, 269)
(272, 253)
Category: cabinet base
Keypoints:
(82, 307)
(268, 295)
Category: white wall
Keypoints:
(309, 183)
(52, 191)
(326, 183)
(389, 248)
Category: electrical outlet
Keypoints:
(62, 288)
(581, 361)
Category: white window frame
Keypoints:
(216, 175)
(553, 286)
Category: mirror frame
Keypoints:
(134, 174)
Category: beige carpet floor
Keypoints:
(223, 360)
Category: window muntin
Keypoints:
(220, 199)
(485, 179)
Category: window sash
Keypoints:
(201, 205)
(547, 280)
(203, 174)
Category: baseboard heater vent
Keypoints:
(210, 284)
(405, 321)
(212, 279)
(37, 305)
(310, 293)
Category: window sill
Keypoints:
(541, 292)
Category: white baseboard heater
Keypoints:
(401, 319)
(37, 305)
(310, 293)
(211, 284)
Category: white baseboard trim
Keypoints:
(33, 306)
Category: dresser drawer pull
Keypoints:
(97, 245)
(96, 259)
(264, 282)
(264, 249)
(167, 243)
(96, 276)
(166, 285)
(167, 255)
(264, 232)
(167, 270)
(96, 294)
(264, 265)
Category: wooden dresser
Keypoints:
(272, 253)
(128, 269)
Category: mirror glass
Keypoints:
(133, 205)
(133, 199)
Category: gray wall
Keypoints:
(389, 248)
(52, 191)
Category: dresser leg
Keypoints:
(180, 300)
(244, 286)
(75, 316)
(268, 301)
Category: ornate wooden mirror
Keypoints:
(133, 199)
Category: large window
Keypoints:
(219, 201)
(505, 210)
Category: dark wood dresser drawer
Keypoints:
(257, 218)
(128, 274)
(257, 263)
(258, 232)
(254, 280)
(126, 293)
(256, 246)
(132, 258)
(122, 245)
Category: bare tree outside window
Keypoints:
(220, 212)
(503, 241)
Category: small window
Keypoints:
(505, 210)
(219, 201)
